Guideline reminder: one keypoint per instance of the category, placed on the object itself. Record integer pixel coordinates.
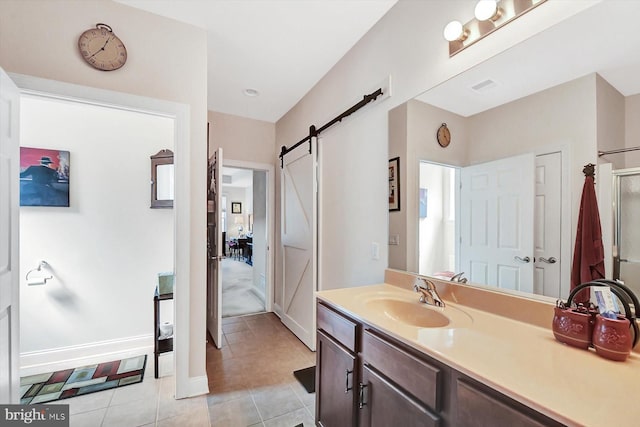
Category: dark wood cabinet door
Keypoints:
(383, 404)
(335, 379)
(478, 406)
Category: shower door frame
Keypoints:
(617, 174)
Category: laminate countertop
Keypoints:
(521, 360)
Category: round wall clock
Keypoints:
(443, 135)
(102, 49)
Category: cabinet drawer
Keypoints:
(416, 376)
(477, 408)
(339, 327)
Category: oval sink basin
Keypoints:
(411, 313)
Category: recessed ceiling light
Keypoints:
(251, 92)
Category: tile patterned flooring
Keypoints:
(251, 383)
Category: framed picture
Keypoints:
(236, 207)
(394, 184)
(44, 177)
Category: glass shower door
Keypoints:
(627, 260)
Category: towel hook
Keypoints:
(589, 170)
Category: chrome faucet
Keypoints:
(458, 278)
(428, 293)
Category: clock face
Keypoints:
(102, 49)
(443, 135)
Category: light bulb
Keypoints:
(453, 31)
(486, 9)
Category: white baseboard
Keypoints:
(277, 310)
(54, 359)
(197, 386)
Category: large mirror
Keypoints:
(523, 125)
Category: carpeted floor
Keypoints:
(237, 283)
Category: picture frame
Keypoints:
(394, 184)
(44, 177)
(236, 207)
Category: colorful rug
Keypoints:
(79, 381)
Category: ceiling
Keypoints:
(281, 48)
(235, 177)
(602, 39)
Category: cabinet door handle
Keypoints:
(346, 381)
(361, 402)
(551, 260)
(525, 259)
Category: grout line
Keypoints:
(256, 406)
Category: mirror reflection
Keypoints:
(162, 179)
(500, 203)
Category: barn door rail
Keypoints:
(313, 132)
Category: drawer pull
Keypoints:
(361, 401)
(346, 380)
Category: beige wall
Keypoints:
(398, 219)
(610, 122)
(165, 61)
(632, 131)
(242, 138)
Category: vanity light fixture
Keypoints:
(487, 10)
(489, 16)
(454, 31)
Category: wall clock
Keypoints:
(443, 135)
(102, 49)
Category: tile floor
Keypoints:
(251, 383)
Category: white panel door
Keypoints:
(214, 246)
(9, 249)
(548, 224)
(496, 223)
(299, 236)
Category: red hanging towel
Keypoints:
(588, 256)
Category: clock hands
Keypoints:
(101, 49)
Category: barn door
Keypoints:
(299, 237)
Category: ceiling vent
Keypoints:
(227, 179)
(484, 86)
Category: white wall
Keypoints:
(236, 194)
(106, 249)
(259, 253)
(39, 38)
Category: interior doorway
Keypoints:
(437, 219)
(244, 208)
(181, 258)
(247, 234)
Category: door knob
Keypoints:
(525, 259)
(551, 260)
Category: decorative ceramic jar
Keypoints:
(573, 327)
(612, 337)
